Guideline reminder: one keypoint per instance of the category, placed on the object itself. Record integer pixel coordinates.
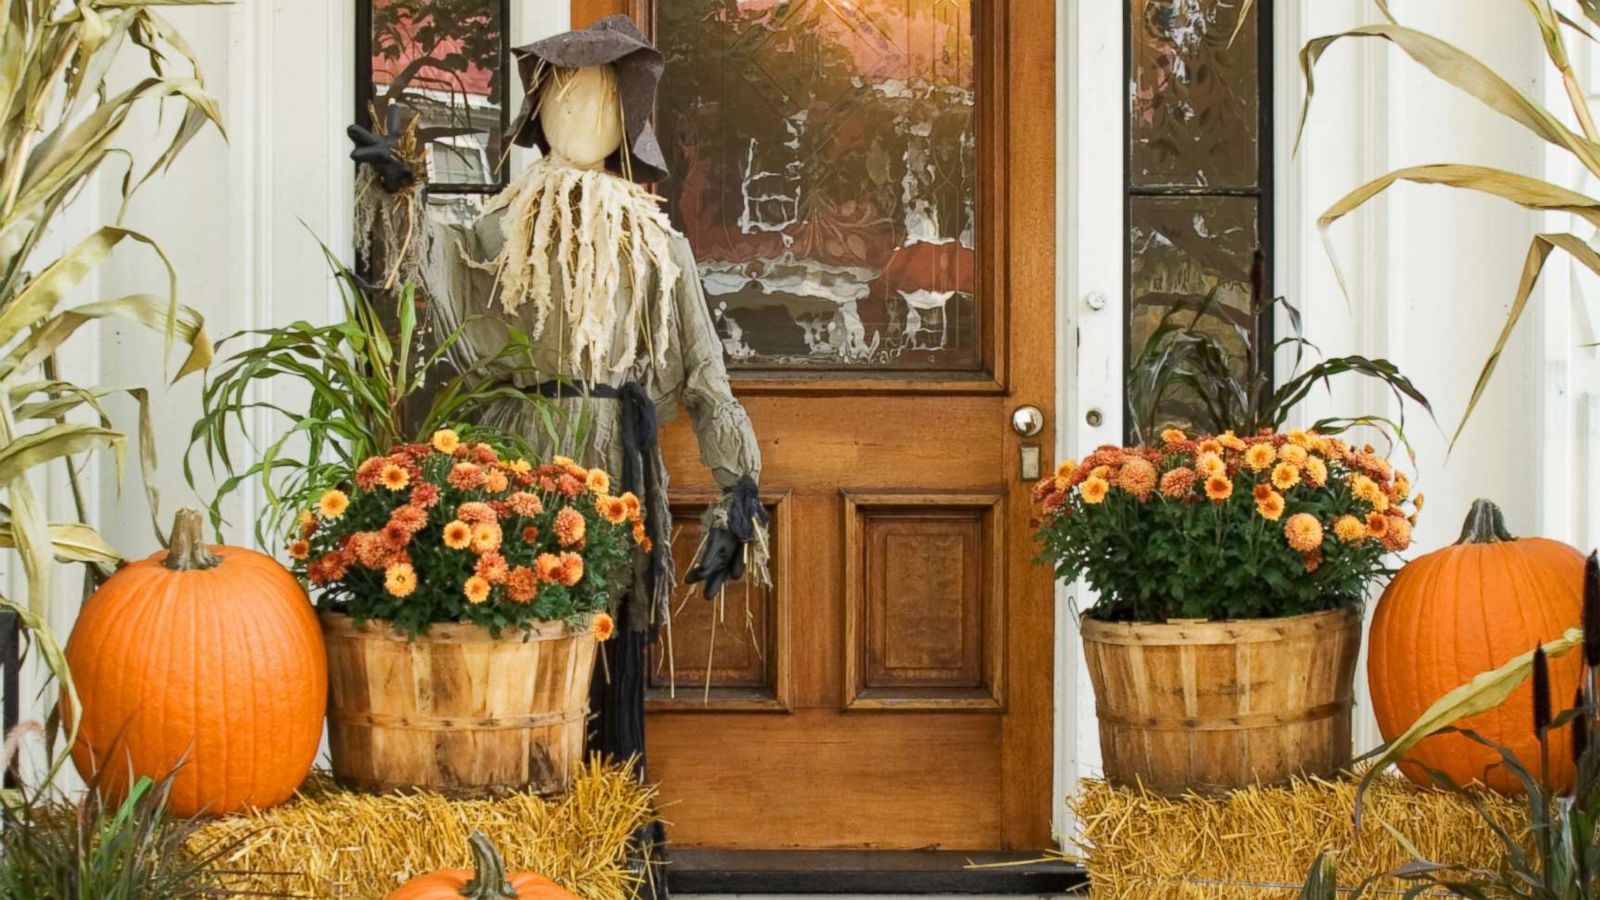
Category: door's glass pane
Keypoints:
(1196, 97)
(444, 60)
(1184, 252)
(824, 160)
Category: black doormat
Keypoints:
(868, 872)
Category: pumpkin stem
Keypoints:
(490, 881)
(187, 550)
(1485, 524)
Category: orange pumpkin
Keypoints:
(1466, 609)
(206, 656)
(488, 882)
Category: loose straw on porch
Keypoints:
(1260, 842)
(331, 843)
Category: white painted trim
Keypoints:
(1089, 364)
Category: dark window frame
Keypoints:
(364, 89)
(1264, 193)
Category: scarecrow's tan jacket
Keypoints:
(690, 371)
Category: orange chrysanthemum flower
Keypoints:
(603, 626)
(569, 486)
(1138, 477)
(640, 537)
(371, 549)
(548, 568)
(400, 579)
(1316, 471)
(497, 482)
(1210, 465)
(333, 504)
(1259, 456)
(1271, 506)
(1066, 468)
(1094, 490)
(570, 527)
(1261, 492)
(486, 537)
(397, 536)
(1350, 529)
(424, 495)
(458, 535)
(445, 441)
(308, 523)
(522, 585)
(571, 569)
(370, 473)
(477, 589)
(614, 510)
(492, 568)
(1219, 488)
(1313, 561)
(1209, 445)
(474, 512)
(1300, 438)
(412, 518)
(466, 476)
(1178, 483)
(1399, 536)
(1304, 532)
(1230, 441)
(299, 549)
(1294, 454)
(395, 478)
(530, 534)
(525, 504)
(1285, 476)
(1378, 525)
(1173, 436)
(598, 481)
(631, 501)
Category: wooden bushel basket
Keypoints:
(457, 711)
(1212, 706)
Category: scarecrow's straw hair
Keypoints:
(350, 846)
(1259, 843)
(599, 234)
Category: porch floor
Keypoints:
(836, 873)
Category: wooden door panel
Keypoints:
(828, 779)
(924, 580)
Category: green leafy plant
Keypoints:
(1190, 372)
(64, 99)
(1224, 527)
(56, 848)
(1466, 73)
(364, 385)
(454, 531)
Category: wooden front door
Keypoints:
(869, 186)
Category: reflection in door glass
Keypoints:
(824, 167)
(443, 60)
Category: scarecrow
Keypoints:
(580, 258)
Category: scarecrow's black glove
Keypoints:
(378, 152)
(722, 559)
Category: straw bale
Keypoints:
(332, 843)
(1259, 843)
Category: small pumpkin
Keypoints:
(1462, 610)
(208, 657)
(488, 881)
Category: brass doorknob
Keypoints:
(1027, 420)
